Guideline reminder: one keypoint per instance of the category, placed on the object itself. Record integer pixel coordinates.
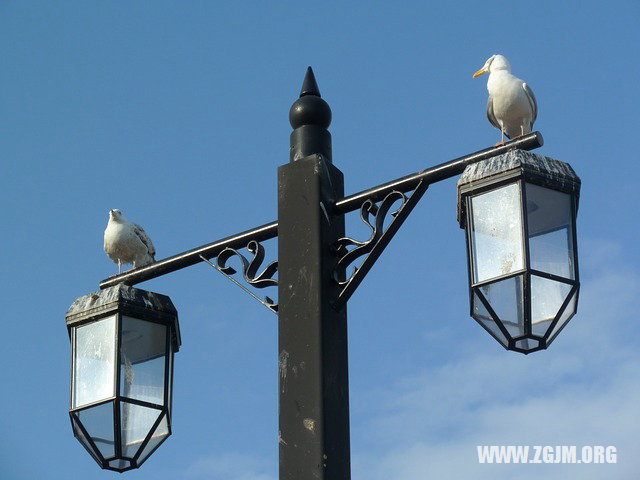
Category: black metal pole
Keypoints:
(312, 335)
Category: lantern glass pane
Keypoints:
(568, 313)
(497, 232)
(119, 463)
(98, 421)
(160, 433)
(94, 362)
(137, 422)
(527, 343)
(142, 360)
(83, 439)
(506, 299)
(547, 297)
(481, 314)
(549, 217)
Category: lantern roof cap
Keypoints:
(127, 300)
(532, 167)
(530, 163)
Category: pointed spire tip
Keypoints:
(309, 85)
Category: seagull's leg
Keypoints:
(119, 266)
(501, 142)
(521, 132)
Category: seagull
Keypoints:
(512, 106)
(127, 242)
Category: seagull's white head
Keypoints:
(493, 64)
(116, 215)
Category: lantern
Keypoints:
(122, 345)
(519, 212)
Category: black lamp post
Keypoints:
(122, 345)
(316, 275)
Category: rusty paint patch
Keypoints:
(283, 362)
(309, 424)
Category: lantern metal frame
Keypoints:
(122, 301)
(520, 168)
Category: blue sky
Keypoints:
(177, 113)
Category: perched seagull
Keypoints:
(512, 106)
(126, 242)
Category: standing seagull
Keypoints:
(512, 106)
(126, 242)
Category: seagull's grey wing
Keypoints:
(532, 102)
(490, 115)
(142, 235)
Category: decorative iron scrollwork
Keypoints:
(250, 271)
(374, 216)
(368, 210)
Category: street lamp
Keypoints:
(519, 211)
(122, 345)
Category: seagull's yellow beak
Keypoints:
(479, 72)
